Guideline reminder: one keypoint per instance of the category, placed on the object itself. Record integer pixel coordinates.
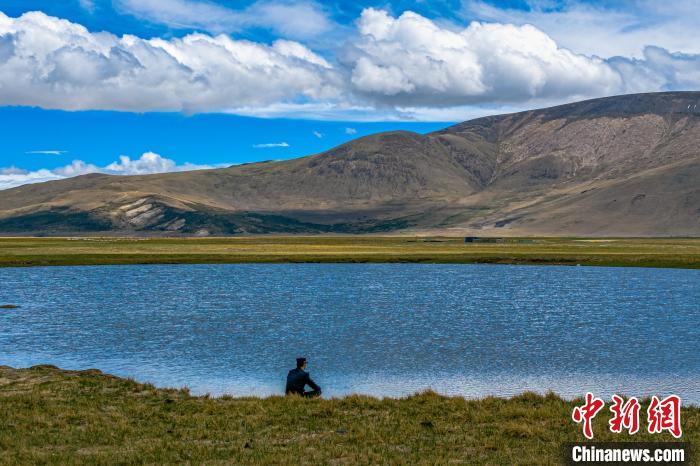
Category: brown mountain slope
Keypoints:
(627, 165)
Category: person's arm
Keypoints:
(312, 384)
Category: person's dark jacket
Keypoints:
(297, 380)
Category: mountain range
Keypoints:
(617, 166)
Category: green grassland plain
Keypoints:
(640, 252)
(52, 416)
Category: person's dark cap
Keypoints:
(301, 362)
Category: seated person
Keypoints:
(298, 379)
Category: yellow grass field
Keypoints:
(675, 252)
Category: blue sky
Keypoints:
(35, 138)
(93, 85)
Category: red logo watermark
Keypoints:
(587, 412)
(625, 415)
(665, 415)
(662, 415)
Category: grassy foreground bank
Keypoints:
(677, 252)
(63, 417)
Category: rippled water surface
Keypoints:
(381, 329)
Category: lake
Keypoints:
(379, 329)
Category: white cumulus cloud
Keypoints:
(605, 29)
(659, 69)
(411, 60)
(148, 163)
(405, 67)
(53, 63)
(11, 177)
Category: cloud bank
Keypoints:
(148, 163)
(410, 60)
(606, 29)
(53, 63)
(406, 66)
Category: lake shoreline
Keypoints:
(681, 253)
(193, 393)
(56, 416)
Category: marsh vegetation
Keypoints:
(636, 252)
